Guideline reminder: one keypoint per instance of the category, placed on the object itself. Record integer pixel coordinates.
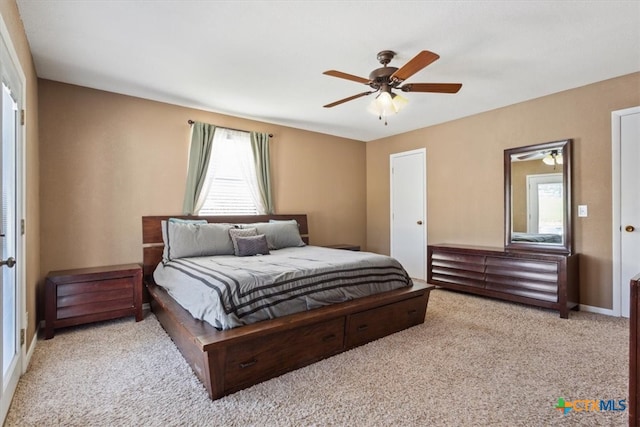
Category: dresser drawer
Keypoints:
(274, 354)
(540, 290)
(376, 323)
(526, 278)
(457, 268)
(460, 261)
(526, 269)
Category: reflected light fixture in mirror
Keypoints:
(553, 158)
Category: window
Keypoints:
(231, 185)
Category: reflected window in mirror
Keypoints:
(537, 197)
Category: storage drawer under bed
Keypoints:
(274, 354)
(381, 321)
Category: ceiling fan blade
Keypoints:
(333, 104)
(342, 75)
(416, 64)
(432, 87)
(532, 155)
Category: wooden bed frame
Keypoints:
(231, 360)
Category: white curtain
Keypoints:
(235, 148)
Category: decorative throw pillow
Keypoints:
(189, 239)
(252, 245)
(234, 233)
(280, 234)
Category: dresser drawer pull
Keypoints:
(329, 338)
(248, 364)
(412, 312)
(363, 328)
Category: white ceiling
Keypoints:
(264, 60)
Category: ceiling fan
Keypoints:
(382, 80)
(549, 157)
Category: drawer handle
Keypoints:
(412, 312)
(248, 364)
(363, 328)
(329, 338)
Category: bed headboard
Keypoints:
(152, 244)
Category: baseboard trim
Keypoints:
(598, 310)
(30, 350)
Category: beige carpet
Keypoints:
(474, 362)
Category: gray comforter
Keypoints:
(229, 291)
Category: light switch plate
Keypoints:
(582, 211)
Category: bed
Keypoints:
(235, 356)
(536, 237)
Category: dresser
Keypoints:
(548, 280)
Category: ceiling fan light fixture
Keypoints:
(387, 103)
(553, 158)
(399, 101)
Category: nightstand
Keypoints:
(344, 246)
(85, 295)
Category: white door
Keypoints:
(408, 211)
(626, 205)
(11, 295)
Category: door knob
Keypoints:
(10, 262)
(629, 228)
(419, 222)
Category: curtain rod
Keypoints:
(239, 130)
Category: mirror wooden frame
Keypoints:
(565, 146)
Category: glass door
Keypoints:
(545, 204)
(11, 295)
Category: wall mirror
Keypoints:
(537, 197)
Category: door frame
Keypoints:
(392, 156)
(22, 318)
(616, 125)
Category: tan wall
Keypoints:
(109, 159)
(465, 173)
(11, 18)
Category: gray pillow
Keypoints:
(190, 239)
(252, 245)
(235, 233)
(280, 234)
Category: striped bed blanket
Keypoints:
(228, 291)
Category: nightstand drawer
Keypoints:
(82, 298)
(96, 287)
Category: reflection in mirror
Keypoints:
(537, 196)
